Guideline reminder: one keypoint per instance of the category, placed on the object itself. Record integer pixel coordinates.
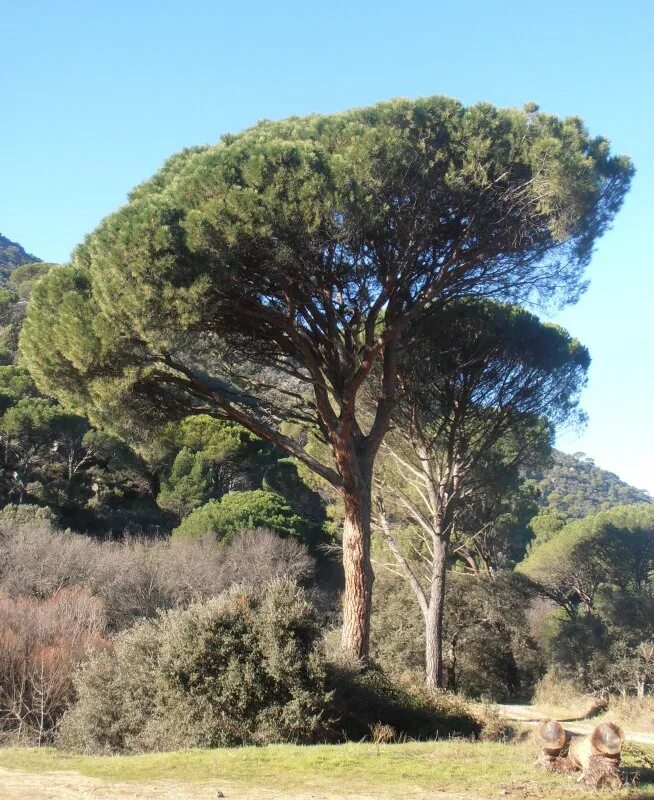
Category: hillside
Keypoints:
(574, 487)
(12, 255)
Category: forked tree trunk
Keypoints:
(434, 621)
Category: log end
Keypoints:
(551, 734)
(607, 738)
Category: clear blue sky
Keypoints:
(96, 95)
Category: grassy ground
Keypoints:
(632, 712)
(446, 769)
(562, 700)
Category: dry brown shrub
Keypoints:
(382, 734)
(41, 643)
(135, 577)
(37, 559)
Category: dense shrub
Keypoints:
(557, 694)
(365, 699)
(598, 570)
(201, 458)
(41, 642)
(256, 557)
(36, 559)
(237, 511)
(13, 515)
(488, 650)
(136, 577)
(636, 713)
(240, 668)
(187, 485)
(612, 650)
(286, 478)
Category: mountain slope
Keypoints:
(12, 255)
(574, 487)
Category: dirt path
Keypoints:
(530, 716)
(18, 785)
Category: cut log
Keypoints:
(605, 740)
(608, 739)
(597, 756)
(602, 773)
(553, 740)
(552, 735)
(580, 752)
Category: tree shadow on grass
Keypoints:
(640, 779)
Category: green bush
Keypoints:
(201, 459)
(239, 511)
(14, 516)
(187, 485)
(242, 668)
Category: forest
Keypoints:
(278, 452)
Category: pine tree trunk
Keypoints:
(358, 574)
(433, 663)
(451, 666)
(434, 626)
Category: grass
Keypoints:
(560, 699)
(409, 770)
(632, 712)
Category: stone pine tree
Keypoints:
(262, 279)
(483, 386)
